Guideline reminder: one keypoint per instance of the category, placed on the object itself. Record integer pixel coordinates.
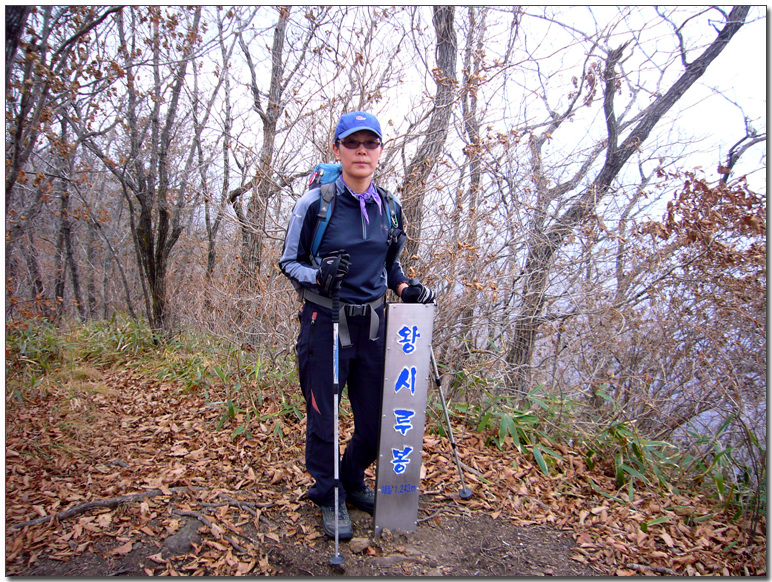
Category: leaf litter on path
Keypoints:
(104, 477)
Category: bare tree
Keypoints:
(750, 139)
(544, 243)
(65, 252)
(213, 224)
(37, 81)
(46, 63)
(146, 176)
(466, 230)
(270, 106)
(413, 187)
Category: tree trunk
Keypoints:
(254, 218)
(151, 188)
(213, 225)
(38, 289)
(473, 56)
(66, 223)
(65, 255)
(543, 245)
(91, 260)
(414, 186)
(15, 18)
(60, 272)
(74, 274)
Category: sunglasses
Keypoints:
(353, 144)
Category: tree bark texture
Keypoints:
(413, 188)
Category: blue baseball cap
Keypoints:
(357, 121)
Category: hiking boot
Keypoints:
(345, 531)
(363, 498)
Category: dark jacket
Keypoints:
(367, 244)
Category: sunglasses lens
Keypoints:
(352, 144)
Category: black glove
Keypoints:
(332, 270)
(417, 293)
(396, 242)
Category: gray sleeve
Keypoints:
(294, 262)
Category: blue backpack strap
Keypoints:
(326, 206)
(323, 177)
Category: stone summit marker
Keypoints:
(405, 387)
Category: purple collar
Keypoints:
(370, 194)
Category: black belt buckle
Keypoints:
(356, 310)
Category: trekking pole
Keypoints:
(337, 559)
(464, 493)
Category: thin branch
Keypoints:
(657, 569)
(102, 503)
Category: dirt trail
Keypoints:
(217, 505)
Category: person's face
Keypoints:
(359, 162)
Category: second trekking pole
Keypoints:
(464, 493)
(337, 559)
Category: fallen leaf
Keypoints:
(122, 550)
(584, 538)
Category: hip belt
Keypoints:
(348, 309)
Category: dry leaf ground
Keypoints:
(170, 494)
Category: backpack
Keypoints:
(324, 177)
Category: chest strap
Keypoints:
(350, 309)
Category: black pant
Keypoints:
(360, 369)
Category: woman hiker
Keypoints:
(359, 253)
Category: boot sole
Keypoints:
(342, 536)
